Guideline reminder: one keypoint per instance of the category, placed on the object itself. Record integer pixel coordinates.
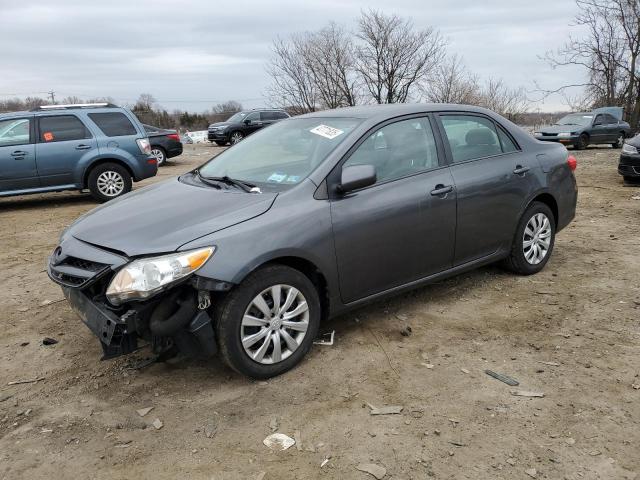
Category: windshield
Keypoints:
(237, 117)
(283, 154)
(576, 119)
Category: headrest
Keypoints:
(480, 136)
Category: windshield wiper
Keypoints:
(205, 180)
(246, 186)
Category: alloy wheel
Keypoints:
(110, 183)
(274, 324)
(159, 155)
(536, 239)
(236, 137)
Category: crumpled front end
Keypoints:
(176, 319)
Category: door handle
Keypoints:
(82, 146)
(520, 170)
(18, 154)
(441, 190)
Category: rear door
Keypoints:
(493, 178)
(62, 142)
(17, 154)
(402, 228)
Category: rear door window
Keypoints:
(113, 124)
(471, 137)
(61, 128)
(16, 131)
(268, 116)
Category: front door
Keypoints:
(493, 179)
(17, 155)
(599, 130)
(62, 142)
(402, 228)
(252, 123)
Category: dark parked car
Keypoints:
(316, 215)
(603, 125)
(629, 164)
(165, 143)
(53, 148)
(242, 124)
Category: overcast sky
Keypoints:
(194, 54)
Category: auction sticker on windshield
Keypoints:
(326, 131)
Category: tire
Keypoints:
(220, 143)
(257, 360)
(619, 141)
(236, 137)
(108, 181)
(583, 142)
(160, 154)
(520, 259)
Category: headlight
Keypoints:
(537, 134)
(145, 277)
(626, 148)
(565, 134)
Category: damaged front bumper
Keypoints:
(174, 320)
(187, 329)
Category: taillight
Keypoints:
(144, 145)
(572, 162)
(174, 136)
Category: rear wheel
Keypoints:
(108, 181)
(533, 241)
(267, 324)
(619, 141)
(583, 142)
(159, 154)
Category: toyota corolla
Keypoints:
(307, 219)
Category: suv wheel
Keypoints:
(108, 181)
(533, 241)
(236, 137)
(619, 141)
(267, 324)
(159, 154)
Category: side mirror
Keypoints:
(597, 124)
(357, 176)
(247, 121)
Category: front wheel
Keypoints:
(108, 181)
(582, 143)
(619, 141)
(236, 137)
(267, 324)
(533, 241)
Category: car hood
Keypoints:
(561, 128)
(162, 217)
(219, 124)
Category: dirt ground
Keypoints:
(571, 332)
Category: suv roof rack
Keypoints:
(74, 105)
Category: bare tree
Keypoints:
(393, 57)
(507, 101)
(293, 84)
(451, 82)
(330, 59)
(230, 106)
(608, 53)
(145, 101)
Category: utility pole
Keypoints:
(52, 96)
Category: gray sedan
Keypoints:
(309, 218)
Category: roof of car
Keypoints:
(394, 109)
